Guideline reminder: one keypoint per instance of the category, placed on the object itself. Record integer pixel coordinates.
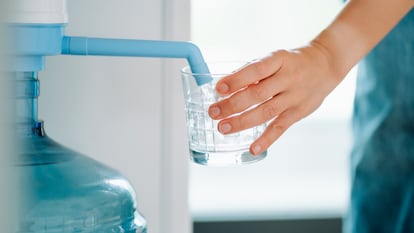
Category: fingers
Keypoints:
(242, 100)
(275, 108)
(250, 74)
(274, 130)
(256, 116)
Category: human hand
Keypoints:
(282, 88)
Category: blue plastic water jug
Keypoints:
(61, 190)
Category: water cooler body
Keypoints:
(60, 190)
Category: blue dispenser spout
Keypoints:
(32, 42)
(139, 48)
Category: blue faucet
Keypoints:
(35, 41)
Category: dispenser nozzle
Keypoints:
(139, 48)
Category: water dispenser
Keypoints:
(61, 189)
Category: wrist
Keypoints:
(340, 51)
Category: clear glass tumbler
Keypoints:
(207, 145)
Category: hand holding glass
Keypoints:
(207, 145)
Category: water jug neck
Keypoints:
(26, 94)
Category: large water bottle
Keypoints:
(62, 190)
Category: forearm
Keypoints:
(357, 29)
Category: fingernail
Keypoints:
(214, 111)
(256, 149)
(225, 128)
(223, 88)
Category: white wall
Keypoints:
(117, 110)
(6, 139)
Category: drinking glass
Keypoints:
(207, 145)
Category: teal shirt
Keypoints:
(382, 160)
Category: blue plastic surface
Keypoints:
(32, 42)
(139, 48)
(60, 189)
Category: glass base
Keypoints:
(225, 158)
